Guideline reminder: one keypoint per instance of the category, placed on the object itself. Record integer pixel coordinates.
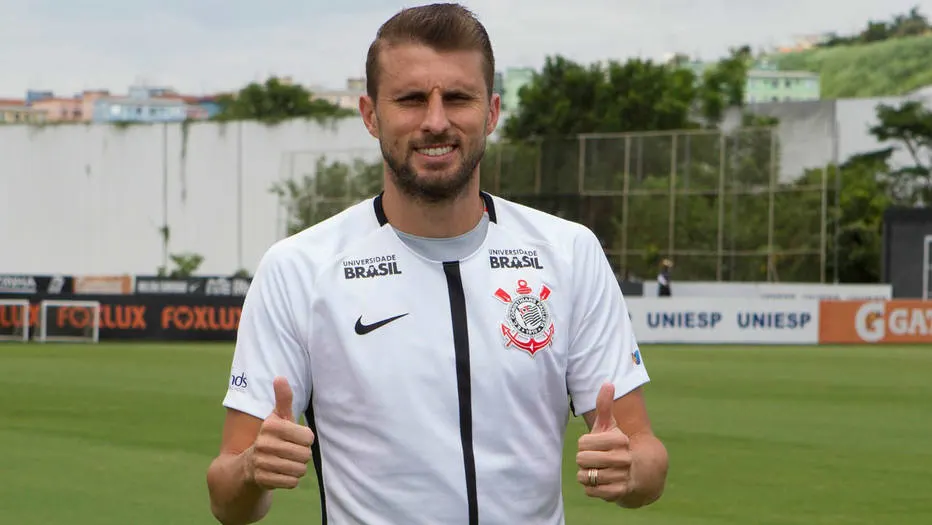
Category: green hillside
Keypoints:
(891, 67)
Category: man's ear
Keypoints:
(367, 110)
(495, 112)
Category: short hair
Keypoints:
(440, 26)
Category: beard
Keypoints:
(433, 190)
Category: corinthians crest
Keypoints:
(527, 324)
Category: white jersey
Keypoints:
(437, 391)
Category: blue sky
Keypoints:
(201, 46)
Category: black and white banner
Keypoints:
(33, 284)
(196, 286)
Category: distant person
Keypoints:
(664, 284)
(431, 334)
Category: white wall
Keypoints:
(90, 199)
(813, 133)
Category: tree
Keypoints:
(913, 23)
(567, 98)
(723, 85)
(331, 188)
(276, 101)
(185, 265)
(858, 223)
(864, 197)
(908, 126)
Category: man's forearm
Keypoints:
(648, 471)
(234, 499)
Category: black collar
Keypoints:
(383, 220)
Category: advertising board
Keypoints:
(193, 286)
(20, 284)
(876, 322)
(724, 321)
(135, 317)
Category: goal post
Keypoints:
(14, 320)
(69, 321)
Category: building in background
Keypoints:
(129, 109)
(33, 96)
(140, 104)
(61, 109)
(498, 84)
(766, 83)
(152, 105)
(781, 86)
(15, 111)
(347, 98)
(803, 43)
(77, 108)
(514, 79)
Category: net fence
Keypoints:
(715, 202)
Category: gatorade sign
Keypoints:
(875, 322)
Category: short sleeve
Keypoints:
(602, 345)
(270, 340)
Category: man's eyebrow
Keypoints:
(411, 94)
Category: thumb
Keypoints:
(604, 419)
(283, 397)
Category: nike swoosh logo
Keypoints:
(363, 329)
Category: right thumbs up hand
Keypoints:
(281, 452)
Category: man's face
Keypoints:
(432, 116)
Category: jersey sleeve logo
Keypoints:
(528, 324)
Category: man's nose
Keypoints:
(435, 119)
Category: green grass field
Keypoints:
(122, 435)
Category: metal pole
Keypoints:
(835, 153)
(722, 146)
(823, 234)
(687, 162)
(672, 225)
(239, 196)
(165, 228)
(735, 184)
(581, 171)
(926, 262)
(771, 264)
(624, 208)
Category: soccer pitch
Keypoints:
(122, 434)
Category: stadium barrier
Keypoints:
(875, 322)
(208, 309)
(780, 321)
(725, 320)
(136, 317)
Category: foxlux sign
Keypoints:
(726, 321)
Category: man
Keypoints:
(664, 286)
(431, 334)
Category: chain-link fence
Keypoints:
(712, 201)
(709, 200)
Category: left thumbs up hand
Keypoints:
(604, 458)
